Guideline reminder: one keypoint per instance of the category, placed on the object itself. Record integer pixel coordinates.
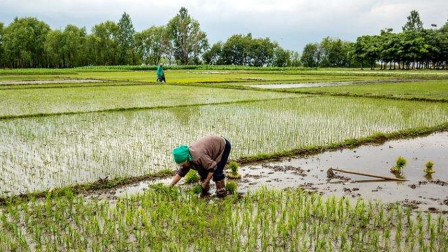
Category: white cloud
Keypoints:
(291, 22)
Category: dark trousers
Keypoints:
(218, 174)
(161, 78)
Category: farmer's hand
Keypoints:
(175, 179)
(205, 184)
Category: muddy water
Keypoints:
(310, 173)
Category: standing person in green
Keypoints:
(208, 156)
(160, 73)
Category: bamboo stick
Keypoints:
(330, 171)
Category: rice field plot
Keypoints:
(46, 152)
(32, 102)
(26, 77)
(431, 90)
(195, 76)
(163, 219)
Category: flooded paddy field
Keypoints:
(419, 191)
(26, 82)
(326, 84)
(68, 171)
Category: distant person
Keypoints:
(160, 73)
(208, 156)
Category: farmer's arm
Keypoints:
(210, 165)
(207, 179)
(179, 174)
(175, 179)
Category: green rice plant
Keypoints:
(191, 177)
(418, 90)
(429, 168)
(119, 96)
(136, 143)
(231, 187)
(197, 189)
(233, 166)
(399, 165)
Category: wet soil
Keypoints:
(325, 84)
(310, 173)
(25, 82)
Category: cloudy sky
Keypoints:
(292, 23)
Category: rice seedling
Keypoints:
(233, 166)
(231, 187)
(191, 177)
(51, 152)
(196, 189)
(399, 165)
(429, 168)
(116, 97)
(420, 90)
(165, 219)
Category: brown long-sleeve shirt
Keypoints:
(206, 153)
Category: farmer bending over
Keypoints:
(208, 156)
(160, 73)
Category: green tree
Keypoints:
(152, 44)
(213, 55)
(105, 43)
(334, 53)
(295, 59)
(389, 47)
(367, 49)
(429, 53)
(126, 42)
(443, 45)
(260, 52)
(282, 57)
(74, 46)
(235, 50)
(54, 51)
(414, 22)
(1, 45)
(24, 41)
(310, 55)
(444, 27)
(188, 41)
(412, 46)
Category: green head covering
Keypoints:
(182, 154)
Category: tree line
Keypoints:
(29, 42)
(413, 48)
